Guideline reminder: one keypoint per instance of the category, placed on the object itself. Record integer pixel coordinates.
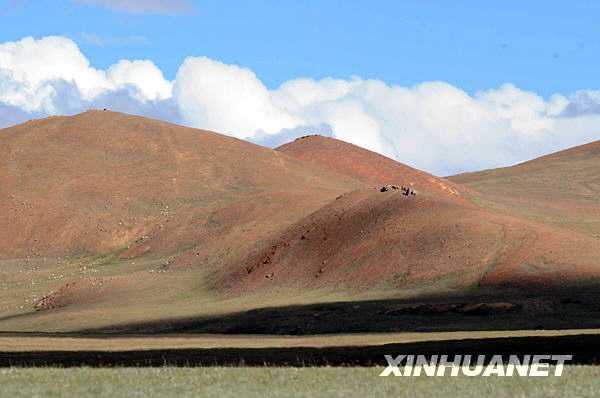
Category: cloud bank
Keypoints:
(433, 126)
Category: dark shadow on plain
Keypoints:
(528, 309)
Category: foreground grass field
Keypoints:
(577, 381)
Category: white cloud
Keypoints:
(527, 112)
(29, 67)
(51, 75)
(143, 6)
(143, 75)
(436, 126)
(433, 125)
(303, 93)
(227, 98)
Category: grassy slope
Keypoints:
(561, 189)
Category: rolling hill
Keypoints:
(102, 181)
(116, 220)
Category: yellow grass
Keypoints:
(126, 343)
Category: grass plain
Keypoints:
(577, 381)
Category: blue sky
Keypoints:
(543, 46)
(445, 86)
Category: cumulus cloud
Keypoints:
(66, 82)
(432, 126)
(144, 76)
(436, 126)
(25, 84)
(227, 98)
(143, 6)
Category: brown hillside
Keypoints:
(369, 240)
(103, 181)
(446, 239)
(365, 165)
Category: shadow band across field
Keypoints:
(559, 309)
(580, 346)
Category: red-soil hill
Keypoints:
(452, 237)
(367, 166)
(386, 241)
(102, 181)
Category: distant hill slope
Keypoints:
(365, 165)
(561, 189)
